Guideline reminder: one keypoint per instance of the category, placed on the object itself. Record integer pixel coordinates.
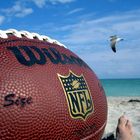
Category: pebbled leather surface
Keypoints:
(39, 109)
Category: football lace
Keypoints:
(5, 33)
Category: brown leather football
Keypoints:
(46, 91)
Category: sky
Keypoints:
(84, 26)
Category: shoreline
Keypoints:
(120, 105)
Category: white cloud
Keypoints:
(98, 30)
(21, 8)
(39, 3)
(89, 39)
(24, 12)
(42, 3)
(110, 65)
(17, 10)
(2, 18)
(60, 1)
(74, 11)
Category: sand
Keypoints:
(118, 106)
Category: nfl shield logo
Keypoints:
(77, 94)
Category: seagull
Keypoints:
(114, 39)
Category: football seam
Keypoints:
(95, 133)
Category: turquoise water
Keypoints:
(121, 87)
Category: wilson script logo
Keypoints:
(30, 55)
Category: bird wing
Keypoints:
(119, 39)
(113, 47)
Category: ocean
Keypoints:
(121, 87)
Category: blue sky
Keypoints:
(84, 26)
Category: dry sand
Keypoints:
(118, 106)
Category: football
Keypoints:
(46, 91)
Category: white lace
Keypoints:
(20, 34)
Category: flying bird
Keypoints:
(113, 40)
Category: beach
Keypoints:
(120, 105)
